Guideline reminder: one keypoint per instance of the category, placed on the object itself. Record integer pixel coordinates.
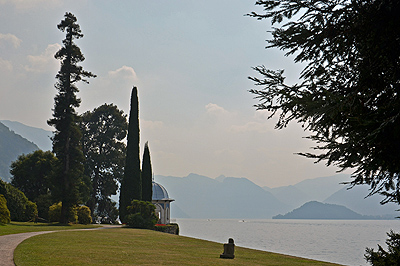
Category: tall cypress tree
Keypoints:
(147, 185)
(131, 185)
(66, 140)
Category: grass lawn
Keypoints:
(24, 227)
(124, 246)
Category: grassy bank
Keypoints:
(137, 247)
(21, 227)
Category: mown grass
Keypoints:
(24, 227)
(125, 246)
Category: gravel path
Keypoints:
(8, 243)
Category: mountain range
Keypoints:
(199, 196)
(41, 137)
(11, 146)
(319, 210)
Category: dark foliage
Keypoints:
(104, 130)
(68, 183)
(21, 209)
(141, 214)
(348, 94)
(4, 212)
(147, 174)
(131, 184)
(385, 258)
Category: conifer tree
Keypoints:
(131, 185)
(347, 96)
(66, 141)
(147, 184)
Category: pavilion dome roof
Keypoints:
(159, 192)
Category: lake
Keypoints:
(338, 241)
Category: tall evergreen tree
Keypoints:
(348, 95)
(131, 185)
(147, 172)
(66, 140)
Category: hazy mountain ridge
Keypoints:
(39, 136)
(11, 146)
(203, 197)
(228, 197)
(319, 210)
(356, 199)
(317, 189)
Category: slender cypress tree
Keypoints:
(147, 185)
(66, 141)
(131, 185)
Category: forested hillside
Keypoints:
(11, 146)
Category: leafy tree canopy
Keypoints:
(104, 130)
(31, 173)
(348, 93)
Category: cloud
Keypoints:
(152, 125)
(45, 61)
(125, 72)
(252, 127)
(5, 65)
(215, 109)
(10, 38)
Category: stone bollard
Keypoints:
(229, 250)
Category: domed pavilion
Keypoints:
(162, 202)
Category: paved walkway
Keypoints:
(8, 243)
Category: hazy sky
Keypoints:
(190, 61)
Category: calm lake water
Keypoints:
(339, 241)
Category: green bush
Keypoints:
(21, 209)
(4, 212)
(141, 214)
(55, 213)
(31, 210)
(84, 215)
(43, 203)
(382, 257)
(172, 228)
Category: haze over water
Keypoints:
(338, 241)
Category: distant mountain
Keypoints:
(355, 199)
(203, 197)
(319, 210)
(11, 146)
(317, 189)
(38, 136)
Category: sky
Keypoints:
(190, 61)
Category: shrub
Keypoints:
(43, 203)
(172, 228)
(21, 209)
(135, 221)
(84, 215)
(141, 214)
(4, 212)
(31, 211)
(382, 257)
(55, 213)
